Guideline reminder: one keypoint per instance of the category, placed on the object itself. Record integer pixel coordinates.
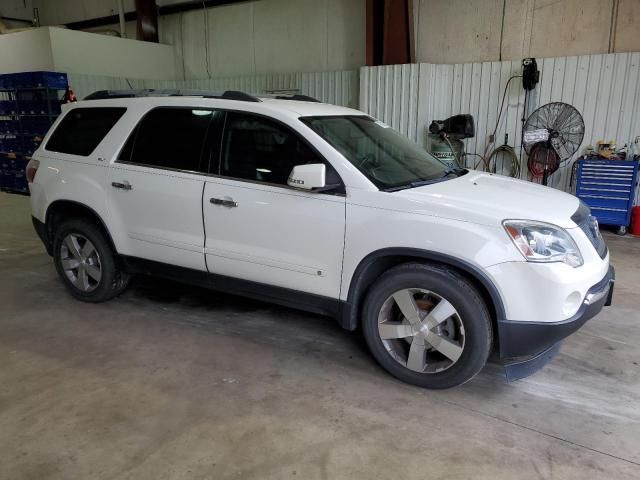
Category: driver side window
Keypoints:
(258, 149)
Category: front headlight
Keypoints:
(543, 242)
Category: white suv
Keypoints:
(321, 208)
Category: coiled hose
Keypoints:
(490, 161)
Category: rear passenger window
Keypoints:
(82, 129)
(171, 138)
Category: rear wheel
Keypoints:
(86, 262)
(427, 326)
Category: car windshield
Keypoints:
(387, 158)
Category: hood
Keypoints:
(489, 199)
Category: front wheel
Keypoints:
(86, 262)
(427, 325)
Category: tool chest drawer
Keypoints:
(608, 187)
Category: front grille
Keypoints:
(589, 225)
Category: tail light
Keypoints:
(32, 168)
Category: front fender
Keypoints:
(393, 231)
(369, 268)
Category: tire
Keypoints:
(78, 262)
(450, 314)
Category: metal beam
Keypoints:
(147, 20)
(162, 11)
(396, 37)
(389, 32)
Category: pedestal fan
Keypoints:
(552, 134)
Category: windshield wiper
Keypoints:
(458, 172)
(454, 171)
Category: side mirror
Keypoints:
(308, 177)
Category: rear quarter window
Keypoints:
(82, 129)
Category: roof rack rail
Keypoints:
(171, 92)
(296, 96)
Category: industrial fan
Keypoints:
(552, 134)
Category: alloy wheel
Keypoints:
(421, 330)
(81, 262)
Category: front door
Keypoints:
(259, 229)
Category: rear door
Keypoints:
(260, 229)
(156, 186)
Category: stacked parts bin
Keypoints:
(608, 187)
(29, 104)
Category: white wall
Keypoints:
(51, 48)
(26, 51)
(269, 36)
(17, 9)
(250, 38)
(340, 88)
(67, 11)
(57, 12)
(455, 31)
(604, 88)
(81, 52)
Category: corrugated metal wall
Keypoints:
(604, 88)
(340, 88)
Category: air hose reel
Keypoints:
(530, 73)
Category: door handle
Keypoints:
(223, 202)
(124, 185)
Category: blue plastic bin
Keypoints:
(10, 144)
(29, 144)
(6, 82)
(7, 107)
(5, 176)
(50, 80)
(36, 125)
(22, 80)
(12, 175)
(9, 127)
(55, 80)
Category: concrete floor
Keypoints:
(171, 382)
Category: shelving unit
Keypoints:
(29, 104)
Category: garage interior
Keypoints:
(172, 381)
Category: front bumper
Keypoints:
(522, 339)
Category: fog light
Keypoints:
(571, 304)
